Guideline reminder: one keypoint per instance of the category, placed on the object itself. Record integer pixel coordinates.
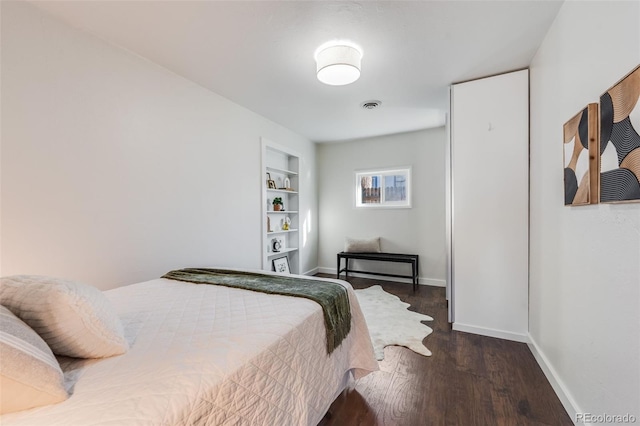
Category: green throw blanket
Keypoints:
(331, 296)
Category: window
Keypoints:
(383, 188)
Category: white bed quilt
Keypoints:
(210, 355)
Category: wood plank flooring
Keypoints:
(469, 380)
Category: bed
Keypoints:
(210, 355)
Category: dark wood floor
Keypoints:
(469, 379)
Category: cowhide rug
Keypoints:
(391, 323)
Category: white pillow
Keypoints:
(74, 319)
(30, 376)
(360, 245)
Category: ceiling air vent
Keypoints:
(371, 104)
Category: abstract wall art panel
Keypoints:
(581, 158)
(620, 142)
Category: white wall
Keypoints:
(418, 230)
(490, 203)
(115, 170)
(585, 261)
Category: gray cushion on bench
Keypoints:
(362, 245)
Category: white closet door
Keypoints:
(490, 204)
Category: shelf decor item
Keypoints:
(277, 204)
(271, 184)
(281, 265)
(286, 223)
(276, 244)
(286, 184)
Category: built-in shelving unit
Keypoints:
(281, 166)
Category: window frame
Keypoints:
(381, 173)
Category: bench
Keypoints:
(380, 257)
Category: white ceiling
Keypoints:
(259, 54)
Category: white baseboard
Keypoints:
(432, 282)
(491, 332)
(311, 272)
(324, 270)
(556, 383)
(422, 281)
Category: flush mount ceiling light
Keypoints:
(338, 63)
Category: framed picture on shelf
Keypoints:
(271, 184)
(281, 265)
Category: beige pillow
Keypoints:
(74, 319)
(360, 245)
(30, 376)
